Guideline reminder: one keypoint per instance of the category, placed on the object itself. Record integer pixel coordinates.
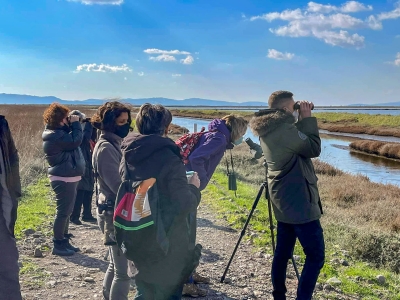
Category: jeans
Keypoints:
(65, 198)
(311, 238)
(83, 198)
(116, 282)
(148, 291)
(9, 270)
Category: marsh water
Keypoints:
(335, 151)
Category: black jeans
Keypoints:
(65, 198)
(311, 238)
(83, 198)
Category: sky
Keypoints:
(331, 53)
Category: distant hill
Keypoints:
(28, 99)
(379, 104)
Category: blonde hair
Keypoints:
(236, 125)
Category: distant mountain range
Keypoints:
(28, 99)
(380, 104)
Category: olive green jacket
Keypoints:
(288, 148)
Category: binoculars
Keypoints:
(107, 210)
(297, 105)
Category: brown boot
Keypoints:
(197, 278)
(190, 289)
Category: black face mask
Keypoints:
(123, 130)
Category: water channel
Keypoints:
(335, 152)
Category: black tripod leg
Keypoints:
(295, 269)
(243, 231)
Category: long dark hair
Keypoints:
(104, 118)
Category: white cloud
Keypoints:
(398, 36)
(176, 75)
(125, 78)
(101, 2)
(274, 54)
(397, 60)
(141, 74)
(329, 23)
(394, 14)
(102, 68)
(163, 57)
(169, 52)
(348, 7)
(188, 60)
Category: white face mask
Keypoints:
(296, 115)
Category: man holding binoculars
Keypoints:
(289, 138)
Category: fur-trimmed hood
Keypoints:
(266, 121)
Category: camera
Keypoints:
(297, 105)
(256, 147)
(85, 120)
(107, 206)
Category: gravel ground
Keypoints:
(80, 276)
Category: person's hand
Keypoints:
(73, 118)
(195, 180)
(305, 109)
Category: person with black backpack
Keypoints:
(164, 261)
(113, 122)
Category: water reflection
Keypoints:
(335, 151)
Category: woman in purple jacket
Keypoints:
(222, 134)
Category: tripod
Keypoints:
(264, 185)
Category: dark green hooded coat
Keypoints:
(288, 148)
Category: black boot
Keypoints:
(60, 248)
(68, 237)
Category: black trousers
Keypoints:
(9, 270)
(65, 198)
(83, 198)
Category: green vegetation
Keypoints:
(357, 279)
(360, 119)
(35, 207)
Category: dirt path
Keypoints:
(80, 276)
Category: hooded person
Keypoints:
(223, 134)
(84, 193)
(288, 147)
(151, 154)
(10, 191)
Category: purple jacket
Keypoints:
(210, 150)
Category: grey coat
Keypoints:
(288, 148)
(106, 159)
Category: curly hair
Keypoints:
(236, 125)
(54, 114)
(153, 119)
(104, 118)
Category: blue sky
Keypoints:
(333, 52)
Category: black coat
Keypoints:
(154, 156)
(61, 148)
(11, 164)
(87, 181)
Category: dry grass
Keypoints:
(26, 124)
(360, 129)
(390, 150)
